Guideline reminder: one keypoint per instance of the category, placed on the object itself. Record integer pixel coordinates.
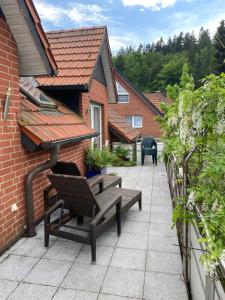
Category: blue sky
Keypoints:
(131, 22)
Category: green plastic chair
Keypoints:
(149, 147)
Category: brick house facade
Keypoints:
(15, 160)
(134, 103)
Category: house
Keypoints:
(57, 102)
(136, 108)
(157, 98)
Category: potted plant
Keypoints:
(97, 160)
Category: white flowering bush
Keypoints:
(194, 124)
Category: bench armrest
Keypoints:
(58, 204)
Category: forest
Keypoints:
(153, 66)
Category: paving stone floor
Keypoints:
(143, 263)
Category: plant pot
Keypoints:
(91, 173)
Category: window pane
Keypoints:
(123, 99)
(129, 119)
(120, 89)
(137, 121)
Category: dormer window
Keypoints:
(123, 96)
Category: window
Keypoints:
(123, 96)
(96, 123)
(134, 121)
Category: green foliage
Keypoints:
(153, 66)
(97, 159)
(122, 152)
(219, 43)
(120, 158)
(194, 124)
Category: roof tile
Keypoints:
(75, 52)
(43, 127)
(121, 126)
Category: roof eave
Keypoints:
(30, 14)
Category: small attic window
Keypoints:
(29, 87)
(123, 96)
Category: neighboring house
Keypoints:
(157, 98)
(121, 133)
(50, 117)
(135, 108)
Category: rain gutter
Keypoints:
(28, 187)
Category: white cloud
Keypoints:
(152, 4)
(77, 12)
(124, 40)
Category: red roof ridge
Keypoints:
(75, 29)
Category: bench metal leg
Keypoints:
(140, 204)
(93, 246)
(118, 218)
(46, 228)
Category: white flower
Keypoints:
(180, 172)
(191, 200)
(210, 268)
(180, 107)
(220, 126)
(215, 205)
(196, 119)
(172, 121)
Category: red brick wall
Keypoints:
(98, 94)
(137, 107)
(15, 161)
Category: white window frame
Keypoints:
(133, 121)
(92, 106)
(125, 93)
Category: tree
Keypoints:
(219, 43)
(171, 72)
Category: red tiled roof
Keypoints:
(75, 52)
(117, 123)
(41, 33)
(156, 98)
(42, 127)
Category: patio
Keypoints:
(143, 263)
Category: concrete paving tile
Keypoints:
(16, 267)
(103, 254)
(112, 297)
(138, 216)
(135, 227)
(161, 218)
(4, 256)
(161, 209)
(164, 201)
(108, 238)
(165, 244)
(6, 288)
(164, 262)
(40, 234)
(133, 241)
(67, 294)
(86, 277)
(32, 247)
(16, 245)
(159, 286)
(123, 282)
(129, 258)
(27, 291)
(63, 250)
(161, 229)
(48, 272)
